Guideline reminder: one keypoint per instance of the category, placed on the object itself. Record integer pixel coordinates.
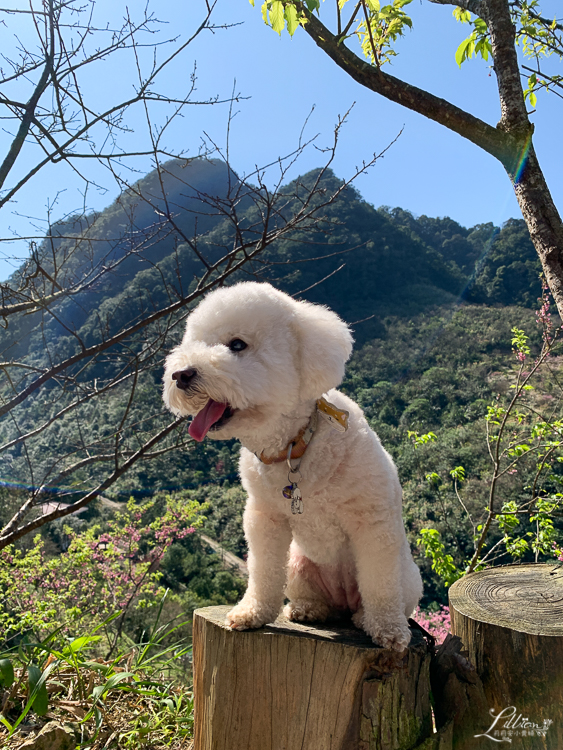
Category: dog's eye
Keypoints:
(237, 345)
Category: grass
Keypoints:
(131, 700)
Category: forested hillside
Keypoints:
(431, 304)
(378, 262)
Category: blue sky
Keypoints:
(427, 171)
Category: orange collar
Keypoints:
(337, 418)
(299, 446)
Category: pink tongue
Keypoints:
(206, 418)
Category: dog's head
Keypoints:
(251, 353)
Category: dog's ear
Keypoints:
(325, 343)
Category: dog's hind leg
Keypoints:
(378, 553)
(308, 602)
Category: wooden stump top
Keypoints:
(338, 631)
(524, 598)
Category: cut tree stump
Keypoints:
(303, 687)
(510, 620)
(458, 697)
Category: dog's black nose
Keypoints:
(183, 378)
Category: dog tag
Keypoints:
(293, 493)
(296, 501)
(337, 418)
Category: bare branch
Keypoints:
(12, 533)
(487, 137)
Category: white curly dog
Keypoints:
(329, 536)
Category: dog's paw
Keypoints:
(304, 611)
(248, 617)
(387, 633)
(392, 636)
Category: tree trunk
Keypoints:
(301, 687)
(543, 221)
(510, 620)
(535, 201)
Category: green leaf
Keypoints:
(442, 563)
(96, 666)
(277, 19)
(6, 673)
(461, 15)
(518, 450)
(251, 2)
(374, 5)
(79, 643)
(432, 477)
(291, 18)
(458, 473)
(114, 680)
(461, 53)
(482, 48)
(480, 26)
(37, 690)
(7, 724)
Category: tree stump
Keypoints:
(302, 687)
(510, 620)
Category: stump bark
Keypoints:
(301, 687)
(510, 620)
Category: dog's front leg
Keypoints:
(378, 554)
(268, 536)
